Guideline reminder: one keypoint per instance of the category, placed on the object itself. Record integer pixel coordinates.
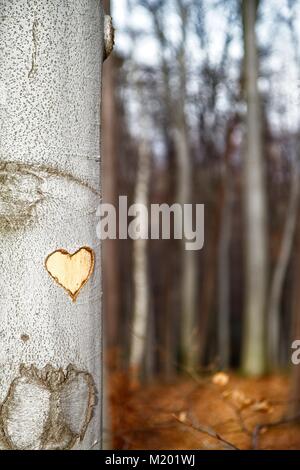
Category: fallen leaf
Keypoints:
(262, 406)
(221, 379)
(238, 398)
(182, 416)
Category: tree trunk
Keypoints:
(140, 321)
(189, 336)
(281, 269)
(224, 284)
(224, 287)
(109, 166)
(51, 329)
(294, 405)
(224, 277)
(254, 340)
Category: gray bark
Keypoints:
(281, 270)
(190, 336)
(254, 340)
(51, 347)
(140, 321)
(224, 279)
(109, 191)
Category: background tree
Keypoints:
(111, 281)
(256, 248)
(225, 105)
(141, 311)
(281, 267)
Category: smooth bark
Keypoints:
(51, 347)
(281, 268)
(111, 269)
(256, 249)
(140, 321)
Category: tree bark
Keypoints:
(224, 283)
(281, 270)
(109, 190)
(254, 340)
(140, 321)
(190, 334)
(169, 349)
(51, 337)
(224, 280)
(294, 405)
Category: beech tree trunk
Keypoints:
(50, 306)
(281, 268)
(224, 283)
(111, 268)
(254, 341)
(140, 321)
(224, 245)
(294, 404)
(189, 332)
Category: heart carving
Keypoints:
(71, 271)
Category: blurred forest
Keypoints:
(202, 106)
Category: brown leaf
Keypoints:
(221, 379)
(262, 406)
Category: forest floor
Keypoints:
(216, 412)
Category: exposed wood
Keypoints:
(71, 272)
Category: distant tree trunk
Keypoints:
(294, 406)
(224, 282)
(224, 255)
(281, 267)
(170, 345)
(177, 122)
(256, 248)
(50, 304)
(210, 280)
(140, 320)
(110, 195)
(109, 247)
(189, 340)
(189, 337)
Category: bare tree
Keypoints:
(51, 360)
(140, 321)
(190, 337)
(288, 236)
(111, 269)
(224, 252)
(178, 133)
(256, 247)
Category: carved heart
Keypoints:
(71, 272)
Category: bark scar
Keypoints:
(21, 191)
(34, 66)
(109, 36)
(64, 403)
